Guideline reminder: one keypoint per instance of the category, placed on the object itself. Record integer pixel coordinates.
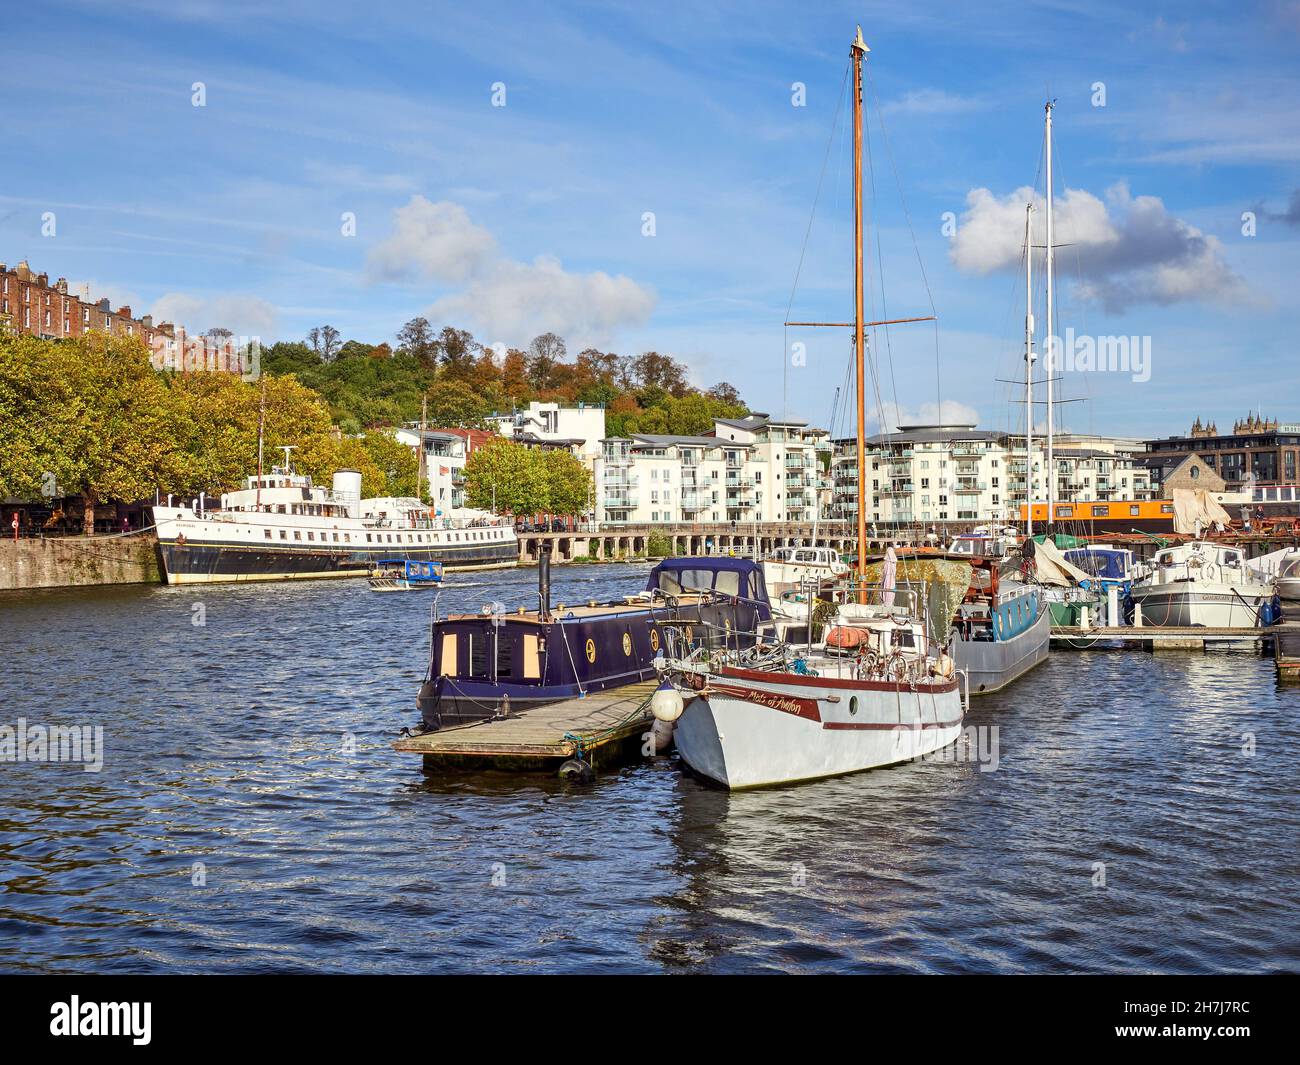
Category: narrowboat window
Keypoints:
(1134, 511)
(532, 668)
(448, 656)
(505, 654)
(477, 655)
(1099, 511)
(1065, 512)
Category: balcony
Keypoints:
(620, 502)
(898, 488)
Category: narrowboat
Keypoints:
(494, 663)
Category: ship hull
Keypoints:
(752, 730)
(1184, 605)
(993, 664)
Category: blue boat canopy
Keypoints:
(739, 577)
(414, 570)
(1100, 561)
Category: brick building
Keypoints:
(31, 306)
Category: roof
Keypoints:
(927, 434)
(758, 420)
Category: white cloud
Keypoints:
(501, 298)
(435, 241)
(243, 315)
(518, 300)
(948, 412)
(1124, 251)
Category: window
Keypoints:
(297, 535)
(283, 535)
(267, 532)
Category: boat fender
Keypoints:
(661, 734)
(578, 770)
(666, 703)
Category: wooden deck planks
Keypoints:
(538, 734)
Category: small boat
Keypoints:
(496, 662)
(405, 575)
(1202, 584)
(1287, 580)
(877, 692)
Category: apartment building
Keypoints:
(934, 473)
(31, 306)
(442, 454)
(751, 469)
(580, 429)
(1257, 452)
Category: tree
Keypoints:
(725, 393)
(87, 417)
(324, 341)
(654, 371)
(457, 350)
(416, 338)
(507, 475)
(218, 332)
(568, 483)
(543, 354)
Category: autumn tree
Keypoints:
(416, 338)
(544, 354)
(86, 417)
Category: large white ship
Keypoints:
(280, 526)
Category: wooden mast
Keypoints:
(858, 51)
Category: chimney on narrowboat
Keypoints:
(544, 583)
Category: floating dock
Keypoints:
(600, 727)
(1167, 638)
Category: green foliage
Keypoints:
(657, 545)
(525, 480)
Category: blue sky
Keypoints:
(509, 220)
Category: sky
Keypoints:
(656, 177)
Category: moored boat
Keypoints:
(496, 662)
(405, 575)
(1202, 584)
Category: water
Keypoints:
(227, 744)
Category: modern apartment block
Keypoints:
(936, 473)
(31, 306)
(752, 469)
(579, 428)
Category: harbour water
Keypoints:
(250, 815)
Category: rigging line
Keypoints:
(880, 273)
(884, 132)
(803, 251)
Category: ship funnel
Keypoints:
(347, 490)
(544, 582)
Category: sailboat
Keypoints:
(877, 691)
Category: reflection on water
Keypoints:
(250, 815)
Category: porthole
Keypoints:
(853, 704)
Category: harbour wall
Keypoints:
(60, 562)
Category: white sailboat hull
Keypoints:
(1200, 604)
(750, 729)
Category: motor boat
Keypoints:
(1202, 584)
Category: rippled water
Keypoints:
(257, 745)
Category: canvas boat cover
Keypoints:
(1196, 504)
(946, 583)
(1055, 569)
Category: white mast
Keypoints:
(1051, 336)
(1029, 374)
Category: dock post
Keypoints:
(1137, 615)
(1112, 607)
(1083, 617)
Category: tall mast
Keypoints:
(858, 51)
(419, 452)
(1029, 374)
(1051, 335)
